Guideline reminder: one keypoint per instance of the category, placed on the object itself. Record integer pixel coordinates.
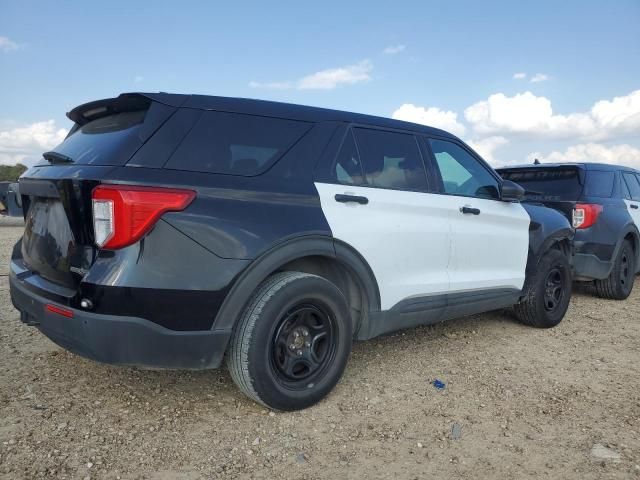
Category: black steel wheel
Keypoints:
(546, 292)
(293, 341)
(619, 284)
(554, 289)
(303, 345)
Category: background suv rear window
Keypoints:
(548, 183)
(237, 144)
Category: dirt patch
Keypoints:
(517, 403)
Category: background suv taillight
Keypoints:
(585, 214)
(123, 214)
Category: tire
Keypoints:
(619, 284)
(291, 345)
(547, 292)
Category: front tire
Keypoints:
(619, 283)
(547, 292)
(292, 343)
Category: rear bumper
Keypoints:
(120, 340)
(587, 266)
(592, 260)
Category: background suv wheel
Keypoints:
(619, 284)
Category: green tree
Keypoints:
(10, 173)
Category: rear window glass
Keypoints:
(599, 184)
(235, 143)
(109, 140)
(547, 184)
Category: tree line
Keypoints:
(10, 173)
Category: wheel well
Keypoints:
(563, 246)
(634, 241)
(338, 274)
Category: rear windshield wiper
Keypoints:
(55, 157)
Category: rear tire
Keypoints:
(547, 292)
(291, 345)
(619, 284)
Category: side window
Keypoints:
(625, 190)
(348, 169)
(462, 174)
(632, 183)
(234, 143)
(391, 160)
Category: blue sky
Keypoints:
(449, 64)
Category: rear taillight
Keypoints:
(585, 214)
(123, 214)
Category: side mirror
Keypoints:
(511, 191)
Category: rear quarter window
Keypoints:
(599, 184)
(236, 144)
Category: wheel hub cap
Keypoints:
(303, 345)
(554, 290)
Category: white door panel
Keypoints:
(404, 237)
(489, 250)
(633, 212)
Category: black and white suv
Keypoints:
(602, 201)
(174, 230)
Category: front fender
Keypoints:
(547, 227)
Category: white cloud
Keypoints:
(486, 146)
(393, 49)
(528, 114)
(324, 79)
(623, 154)
(27, 143)
(334, 77)
(432, 116)
(7, 45)
(539, 77)
(519, 76)
(622, 114)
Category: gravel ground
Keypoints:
(518, 403)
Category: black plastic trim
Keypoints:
(427, 310)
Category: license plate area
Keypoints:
(48, 244)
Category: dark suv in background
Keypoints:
(603, 203)
(174, 230)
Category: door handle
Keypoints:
(346, 198)
(634, 206)
(471, 210)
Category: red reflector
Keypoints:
(65, 312)
(123, 214)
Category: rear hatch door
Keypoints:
(56, 194)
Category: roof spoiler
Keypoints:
(125, 102)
